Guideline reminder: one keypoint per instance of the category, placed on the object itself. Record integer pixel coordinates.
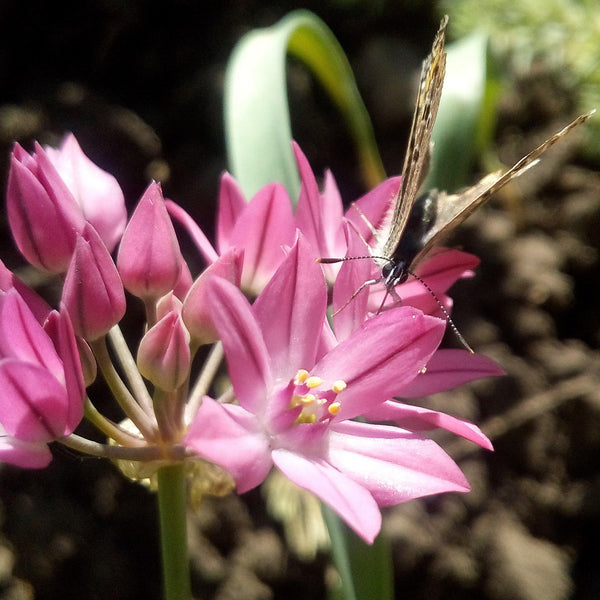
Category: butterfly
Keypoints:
(418, 224)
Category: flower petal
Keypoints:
(231, 206)
(266, 225)
(245, 349)
(23, 454)
(290, 311)
(319, 217)
(418, 418)
(232, 438)
(380, 358)
(33, 404)
(348, 499)
(448, 369)
(394, 465)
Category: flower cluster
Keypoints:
(307, 394)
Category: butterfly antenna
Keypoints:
(454, 328)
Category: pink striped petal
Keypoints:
(378, 360)
(348, 499)
(232, 438)
(448, 369)
(394, 465)
(245, 349)
(290, 311)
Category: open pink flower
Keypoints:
(297, 397)
(41, 382)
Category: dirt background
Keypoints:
(141, 87)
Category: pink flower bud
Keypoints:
(40, 377)
(43, 215)
(97, 192)
(149, 259)
(164, 353)
(196, 314)
(93, 293)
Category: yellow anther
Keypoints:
(301, 376)
(423, 370)
(334, 408)
(313, 382)
(339, 385)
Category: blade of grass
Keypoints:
(257, 122)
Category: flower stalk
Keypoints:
(173, 532)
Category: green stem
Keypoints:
(173, 532)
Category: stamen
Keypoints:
(339, 386)
(313, 382)
(334, 408)
(301, 376)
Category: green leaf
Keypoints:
(365, 571)
(257, 123)
(466, 114)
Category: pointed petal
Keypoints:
(149, 258)
(231, 205)
(93, 292)
(33, 404)
(196, 314)
(23, 454)
(380, 358)
(37, 305)
(448, 369)
(245, 349)
(22, 337)
(318, 217)
(370, 211)
(348, 499)
(394, 465)
(290, 311)
(266, 225)
(97, 192)
(351, 314)
(232, 438)
(417, 418)
(59, 328)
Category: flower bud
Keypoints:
(44, 217)
(149, 259)
(164, 353)
(97, 192)
(195, 313)
(93, 293)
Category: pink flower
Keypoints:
(261, 227)
(97, 192)
(297, 395)
(41, 381)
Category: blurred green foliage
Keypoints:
(563, 34)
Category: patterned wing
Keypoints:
(417, 153)
(453, 209)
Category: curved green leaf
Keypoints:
(257, 122)
(465, 114)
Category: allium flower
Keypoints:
(41, 382)
(298, 395)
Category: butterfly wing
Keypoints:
(416, 159)
(453, 209)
